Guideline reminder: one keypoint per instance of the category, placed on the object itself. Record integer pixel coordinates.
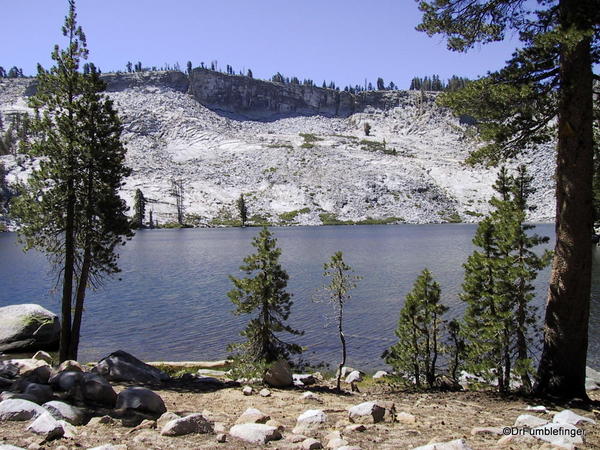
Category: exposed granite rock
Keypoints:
(28, 326)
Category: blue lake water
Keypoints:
(170, 301)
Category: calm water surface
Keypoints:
(171, 300)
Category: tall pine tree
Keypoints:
(550, 77)
(70, 209)
(263, 294)
(498, 287)
(419, 332)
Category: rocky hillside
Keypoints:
(299, 154)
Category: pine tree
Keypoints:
(263, 293)
(550, 77)
(380, 84)
(70, 209)
(337, 293)
(419, 332)
(189, 67)
(498, 286)
(139, 208)
(367, 128)
(242, 209)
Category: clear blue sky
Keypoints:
(341, 40)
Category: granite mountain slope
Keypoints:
(299, 154)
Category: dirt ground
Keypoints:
(440, 417)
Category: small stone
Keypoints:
(337, 443)
(255, 433)
(220, 427)
(265, 393)
(310, 444)
(310, 421)
(221, 438)
(380, 374)
(43, 356)
(252, 415)
(349, 447)
(458, 444)
(406, 418)
(527, 420)
(358, 427)
(539, 408)
(110, 447)
(486, 430)
(64, 411)
(369, 412)
(47, 426)
(194, 423)
(145, 425)
(104, 420)
(311, 397)
(353, 377)
(247, 390)
(165, 418)
(295, 438)
(569, 417)
(16, 409)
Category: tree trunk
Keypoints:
(343, 340)
(67, 293)
(561, 371)
(79, 299)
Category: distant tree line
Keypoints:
(13, 72)
(434, 83)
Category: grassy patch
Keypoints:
(376, 146)
(309, 140)
(473, 213)
(173, 225)
(258, 220)
(384, 221)
(281, 145)
(453, 217)
(270, 170)
(331, 219)
(291, 215)
(225, 219)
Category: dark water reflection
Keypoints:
(171, 302)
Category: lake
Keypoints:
(170, 300)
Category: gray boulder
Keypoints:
(367, 412)
(255, 433)
(97, 391)
(28, 327)
(65, 381)
(253, 415)
(66, 412)
(310, 421)
(279, 375)
(16, 409)
(47, 426)
(121, 366)
(194, 423)
(141, 400)
(41, 392)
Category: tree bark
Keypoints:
(79, 299)
(561, 371)
(67, 292)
